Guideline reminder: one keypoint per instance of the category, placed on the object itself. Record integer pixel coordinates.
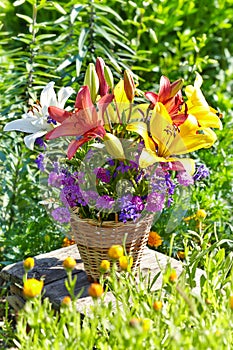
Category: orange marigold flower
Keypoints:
(154, 239)
(231, 302)
(66, 301)
(173, 276)
(28, 264)
(32, 288)
(201, 214)
(67, 242)
(157, 305)
(69, 263)
(126, 262)
(104, 266)
(115, 251)
(95, 290)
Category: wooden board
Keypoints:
(49, 266)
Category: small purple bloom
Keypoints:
(103, 174)
(61, 214)
(170, 184)
(155, 202)
(40, 162)
(201, 173)
(40, 142)
(184, 178)
(104, 202)
(55, 180)
(137, 201)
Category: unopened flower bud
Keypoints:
(32, 288)
(66, 301)
(69, 263)
(176, 86)
(115, 252)
(129, 85)
(28, 264)
(103, 86)
(157, 306)
(109, 77)
(104, 266)
(231, 302)
(95, 290)
(92, 81)
(113, 146)
(125, 262)
(173, 276)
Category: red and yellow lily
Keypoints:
(163, 140)
(84, 122)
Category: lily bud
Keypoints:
(113, 146)
(176, 86)
(109, 76)
(129, 85)
(99, 66)
(92, 81)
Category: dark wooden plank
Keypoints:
(49, 266)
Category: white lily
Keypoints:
(35, 122)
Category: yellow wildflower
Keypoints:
(125, 262)
(69, 263)
(95, 290)
(201, 214)
(146, 324)
(66, 301)
(28, 264)
(157, 305)
(154, 239)
(173, 276)
(32, 288)
(115, 252)
(104, 266)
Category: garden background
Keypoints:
(42, 41)
(47, 40)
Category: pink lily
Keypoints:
(171, 97)
(84, 122)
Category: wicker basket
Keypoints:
(93, 240)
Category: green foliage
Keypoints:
(43, 40)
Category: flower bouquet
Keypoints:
(124, 158)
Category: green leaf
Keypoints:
(75, 11)
(59, 8)
(25, 17)
(109, 10)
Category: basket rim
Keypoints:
(94, 222)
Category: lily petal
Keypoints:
(29, 140)
(141, 129)
(48, 96)
(63, 94)
(58, 114)
(24, 125)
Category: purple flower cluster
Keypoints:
(103, 174)
(61, 215)
(201, 173)
(155, 202)
(105, 202)
(40, 162)
(131, 208)
(184, 178)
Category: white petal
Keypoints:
(25, 125)
(48, 97)
(29, 140)
(63, 95)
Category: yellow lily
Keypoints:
(166, 140)
(197, 105)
